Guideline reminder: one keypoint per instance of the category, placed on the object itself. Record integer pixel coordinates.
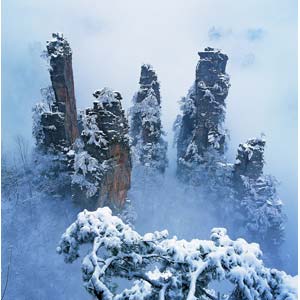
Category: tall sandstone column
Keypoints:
(102, 161)
(200, 128)
(61, 75)
(149, 146)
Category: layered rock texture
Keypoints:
(102, 158)
(148, 145)
(200, 128)
(89, 156)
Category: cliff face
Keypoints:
(200, 128)
(102, 160)
(149, 147)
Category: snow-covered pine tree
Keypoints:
(159, 267)
(149, 147)
(101, 157)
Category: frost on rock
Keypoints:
(55, 118)
(102, 162)
(257, 193)
(64, 102)
(159, 267)
(149, 147)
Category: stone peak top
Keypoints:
(107, 96)
(148, 67)
(213, 53)
(58, 46)
(148, 74)
(260, 142)
(210, 49)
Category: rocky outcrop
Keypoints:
(200, 128)
(149, 147)
(102, 160)
(257, 194)
(249, 161)
(57, 126)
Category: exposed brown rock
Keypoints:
(103, 163)
(116, 182)
(61, 75)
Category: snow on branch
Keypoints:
(167, 268)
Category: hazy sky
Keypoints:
(111, 39)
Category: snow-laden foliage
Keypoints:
(168, 268)
(51, 173)
(44, 106)
(256, 194)
(263, 209)
(91, 130)
(148, 146)
(88, 171)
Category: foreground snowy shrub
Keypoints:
(163, 268)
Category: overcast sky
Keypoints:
(111, 39)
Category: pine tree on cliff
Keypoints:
(149, 147)
(101, 157)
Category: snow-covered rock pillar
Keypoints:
(211, 92)
(200, 128)
(102, 160)
(149, 147)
